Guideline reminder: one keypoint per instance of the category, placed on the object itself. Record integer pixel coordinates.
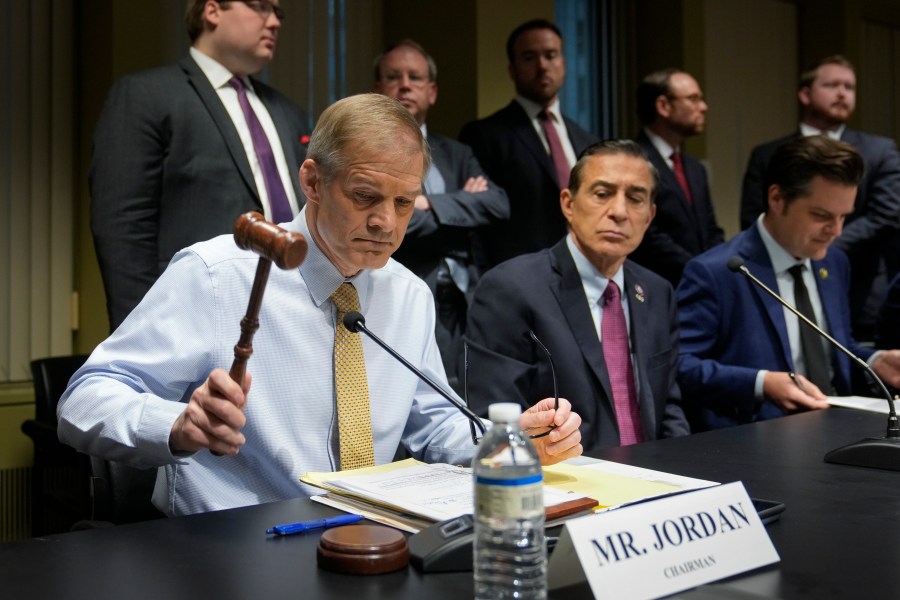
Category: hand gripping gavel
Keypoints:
(287, 249)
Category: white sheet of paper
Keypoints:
(877, 405)
(436, 491)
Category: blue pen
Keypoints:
(290, 528)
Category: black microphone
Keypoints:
(878, 453)
(355, 322)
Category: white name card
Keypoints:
(664, 546)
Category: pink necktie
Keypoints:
(678, 168)
(618, 365)
(278, 200)
(556, 150)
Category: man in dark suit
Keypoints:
(174, 160)
(458, 200)
(671, 108)
(528, 147)
(888, 335)
(746, 358)
(569, 296)
(871, 238)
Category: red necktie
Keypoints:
(278, 200)
(678, 168)
(560, 163)
(618, 365)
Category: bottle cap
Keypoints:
(504, 412)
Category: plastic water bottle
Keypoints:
(510, 559)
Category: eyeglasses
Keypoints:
(533, 432)
(693, 98)
(264, 8)
(415, 79)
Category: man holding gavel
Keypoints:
(154, 393)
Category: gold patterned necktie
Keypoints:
(351, 387)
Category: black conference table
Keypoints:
(838, 538)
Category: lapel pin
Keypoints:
(823, 273)
(304, 139)
(639, 293)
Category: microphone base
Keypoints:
(875, 453)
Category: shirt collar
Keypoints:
(593, 281)
(782, 260)
(217, 74)
(322, 278)
(835, 134)
(532, 108)
(662, 146)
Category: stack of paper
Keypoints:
(410, 495)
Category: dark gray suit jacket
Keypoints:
(542, 292)
(509, 149)
(168, 170)
(680, 230)
(448, 230)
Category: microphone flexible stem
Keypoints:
(360, 326)
(893, 430)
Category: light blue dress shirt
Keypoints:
(122, 404)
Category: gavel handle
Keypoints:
(250, 323)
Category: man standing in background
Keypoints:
(671, 107)
(458, 199)
(529, 147)
(871, 237)
(181, 151)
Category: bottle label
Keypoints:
(510, 498)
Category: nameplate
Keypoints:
(663, 546)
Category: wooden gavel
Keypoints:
(287, 249)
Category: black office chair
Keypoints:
(71, 490)
(60, 481)
(122, 494)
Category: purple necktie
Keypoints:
(678, 167)
(278, 200)
(556, 150)
(618, 365)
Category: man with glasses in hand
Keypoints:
(671, 108)
(179, 152)
(322, 398)
(609, 324)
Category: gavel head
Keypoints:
(287, 249)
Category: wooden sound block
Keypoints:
(362, 550)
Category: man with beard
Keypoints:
(671, 106)
(827, 94)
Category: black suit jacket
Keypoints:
(888, 334)
(680, 230)
(542, 292)
(168, 170)
(877, 206)
(511, 153)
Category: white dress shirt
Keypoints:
(122, 404)
(782, 261)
